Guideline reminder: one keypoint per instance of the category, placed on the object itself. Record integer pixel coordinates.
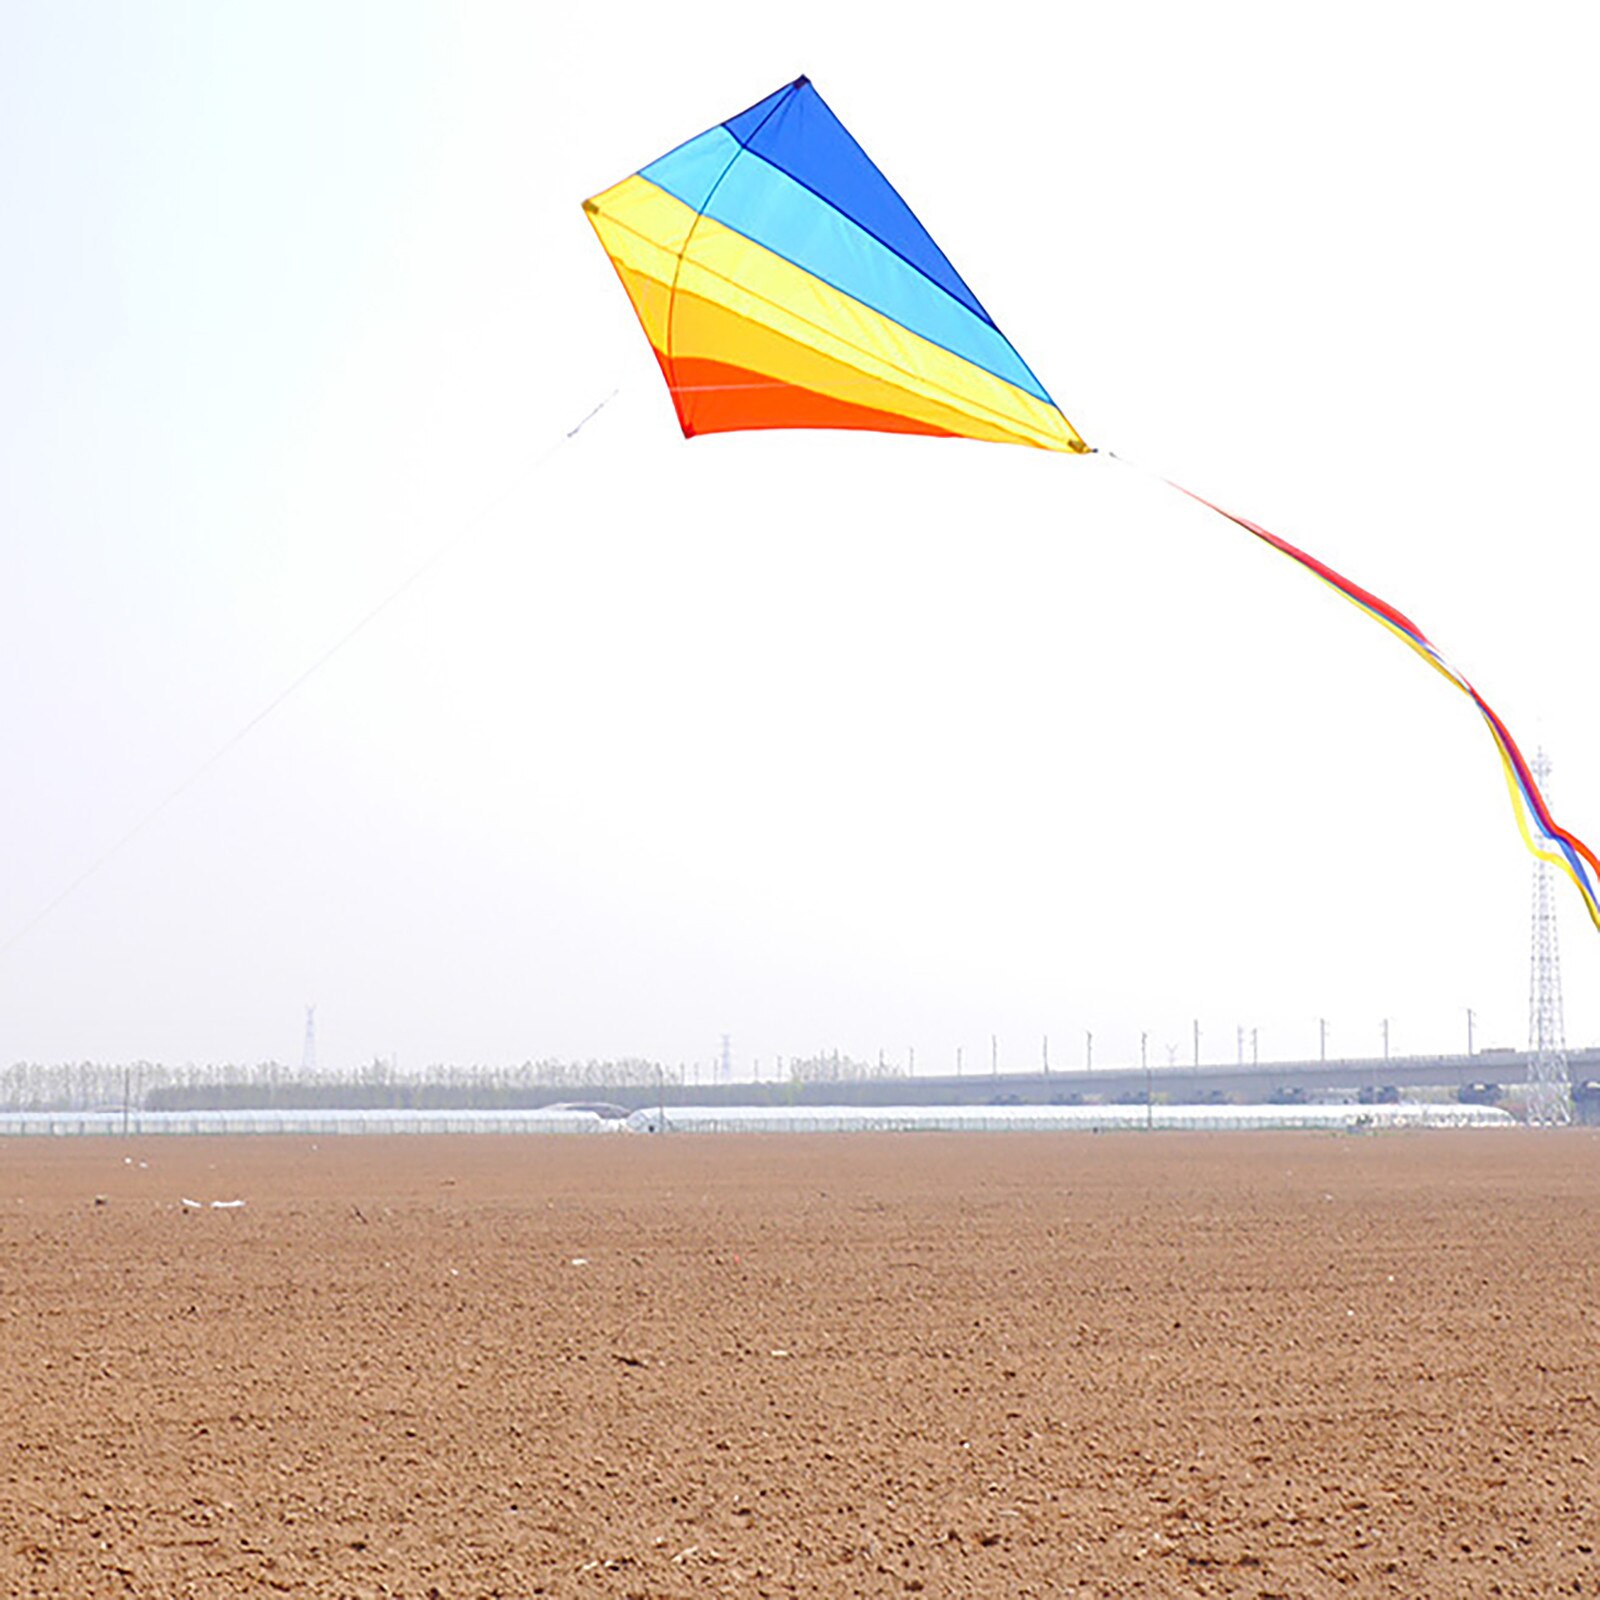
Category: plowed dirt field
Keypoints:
(1159, 1365)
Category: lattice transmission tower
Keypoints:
(1549, 1082)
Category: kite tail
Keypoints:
(1541, 833)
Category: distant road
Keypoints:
(1175, 1085)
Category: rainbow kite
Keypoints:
(783, 283)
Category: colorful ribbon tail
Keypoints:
(1540, 832)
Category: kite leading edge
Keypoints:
(783, 283)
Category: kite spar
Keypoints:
(783, 283)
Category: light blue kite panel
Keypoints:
(714, 174)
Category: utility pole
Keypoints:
(1255, 1047)
(994, 1056)
(1197, 1044)
(1322, 1036)
(1385, 1038)
(1470, 1019)
(1240, 1042)
(1047, 1055)
(1088, 1051)
(1149, 1091)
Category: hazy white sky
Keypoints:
(817, 740)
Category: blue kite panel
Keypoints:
(798, 134)
(746, 123)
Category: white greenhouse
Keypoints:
(758, 1119)
(1057, 1119)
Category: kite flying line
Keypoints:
(465, 535)
(783, 283)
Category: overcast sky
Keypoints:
(818, 740)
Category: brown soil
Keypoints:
(1258, 1365)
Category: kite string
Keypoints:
(1571, 854)
(173, 795)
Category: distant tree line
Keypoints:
(236, 1086)
(150, 1086)
(831, 1067)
